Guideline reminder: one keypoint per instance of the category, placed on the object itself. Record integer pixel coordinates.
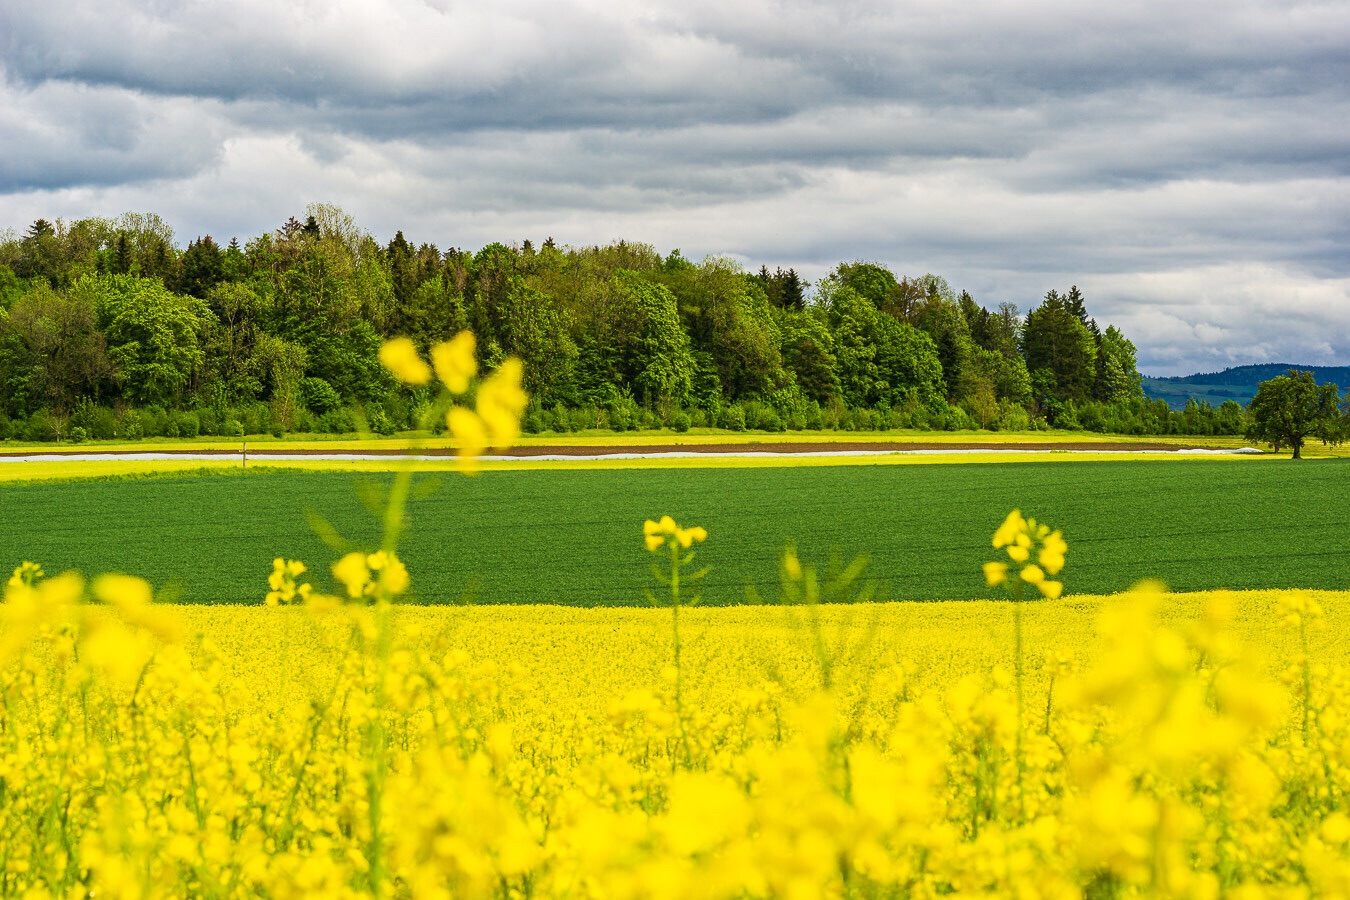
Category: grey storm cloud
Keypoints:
(1185, 164)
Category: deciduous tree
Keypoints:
(1289, 409)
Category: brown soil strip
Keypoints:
(600, 449)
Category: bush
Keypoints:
(581, 418)
(42, 427)
(336, 421)
(133, 426)
(698, 418)
(78, 435)
(255, 417)
(189, 426)
(98, 422)
(379, 423)
(620, 417)
(732, 418)
(319, 396)
(209, 419)
(813, 419)
(1013, 417)
(953, 418)
(832, 415)
(769, 419)
(155, 422)
(558, 419)
(6, 427)
(679, 421)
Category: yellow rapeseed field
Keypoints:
(341, 748)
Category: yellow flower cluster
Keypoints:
(664, 532)
(407, 753)
(378, 576)
(283, 585)
(1020, 538)
(500, 401)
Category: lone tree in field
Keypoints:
(1290, 408)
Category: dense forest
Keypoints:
(108, 328)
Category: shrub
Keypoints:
(1013, 417)
(679, 421)
(78, 435)
(732, 418)
(132, 427)
(620, 417)
(379, 422)
(336, 421)
(558, 419)
(42, 426)
(581, 418)
(813, 419)
(189, 426)
(209, 419)
(319, 396)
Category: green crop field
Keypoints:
(574, 537)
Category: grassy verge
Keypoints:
(573, 537)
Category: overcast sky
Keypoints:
(1186, 164)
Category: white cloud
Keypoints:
(1185, 165)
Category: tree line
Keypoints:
(109, 329)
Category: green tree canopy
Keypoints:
(153, 335)
(1289, 409)
(1057, 343)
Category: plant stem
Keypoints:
(1017, 671)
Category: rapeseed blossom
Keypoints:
(1019, 538)
(380, 575)
(455, 362)
(658, 533)
(500, 401)
(399, 356)
(283, 585)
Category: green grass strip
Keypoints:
(573, 537)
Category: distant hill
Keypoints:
(1238, 383)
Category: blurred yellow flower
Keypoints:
(455, 362)
(471, 433)
(353, 573)
(399, 356)
(501, 403)
(26, 573)
(657, 534)
(995, 573)
(1020, 538)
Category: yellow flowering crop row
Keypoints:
(544, 751)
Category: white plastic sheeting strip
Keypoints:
(265, 457)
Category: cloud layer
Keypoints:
(1188, 168)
